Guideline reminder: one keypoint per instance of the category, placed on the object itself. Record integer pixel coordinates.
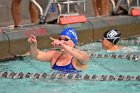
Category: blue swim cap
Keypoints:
(71, 33)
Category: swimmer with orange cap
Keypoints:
(68, 59)
(110, 40)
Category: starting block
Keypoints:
(72, 19)
(134, 11)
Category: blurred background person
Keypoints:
(16, 12)
(96, 8)
(101, 7)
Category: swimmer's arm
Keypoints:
(41, 55)
(36, 53)
(82, 56)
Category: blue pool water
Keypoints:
(98, 66)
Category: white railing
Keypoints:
(116, 5)
(43, 15)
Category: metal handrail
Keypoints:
(137, 2)
(116, 6)
(38, 6)
(43, 16)
(129, 7)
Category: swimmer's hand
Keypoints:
(56, 42)
(52, 39)
(32, 39)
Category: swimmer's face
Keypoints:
(105, 42)
(66, 40)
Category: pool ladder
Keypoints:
(116, 5)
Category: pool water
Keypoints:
(98, 66)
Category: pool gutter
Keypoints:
(14, 41)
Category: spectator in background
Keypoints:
(104, 7)
(96, 8)
(101, 7)
(15, 10)
(110, 40)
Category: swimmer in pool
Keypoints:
(68, 58)
(110, 40)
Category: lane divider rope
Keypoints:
(134, 57)
(69, 76)
(133, 42)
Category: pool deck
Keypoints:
(15, 40)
